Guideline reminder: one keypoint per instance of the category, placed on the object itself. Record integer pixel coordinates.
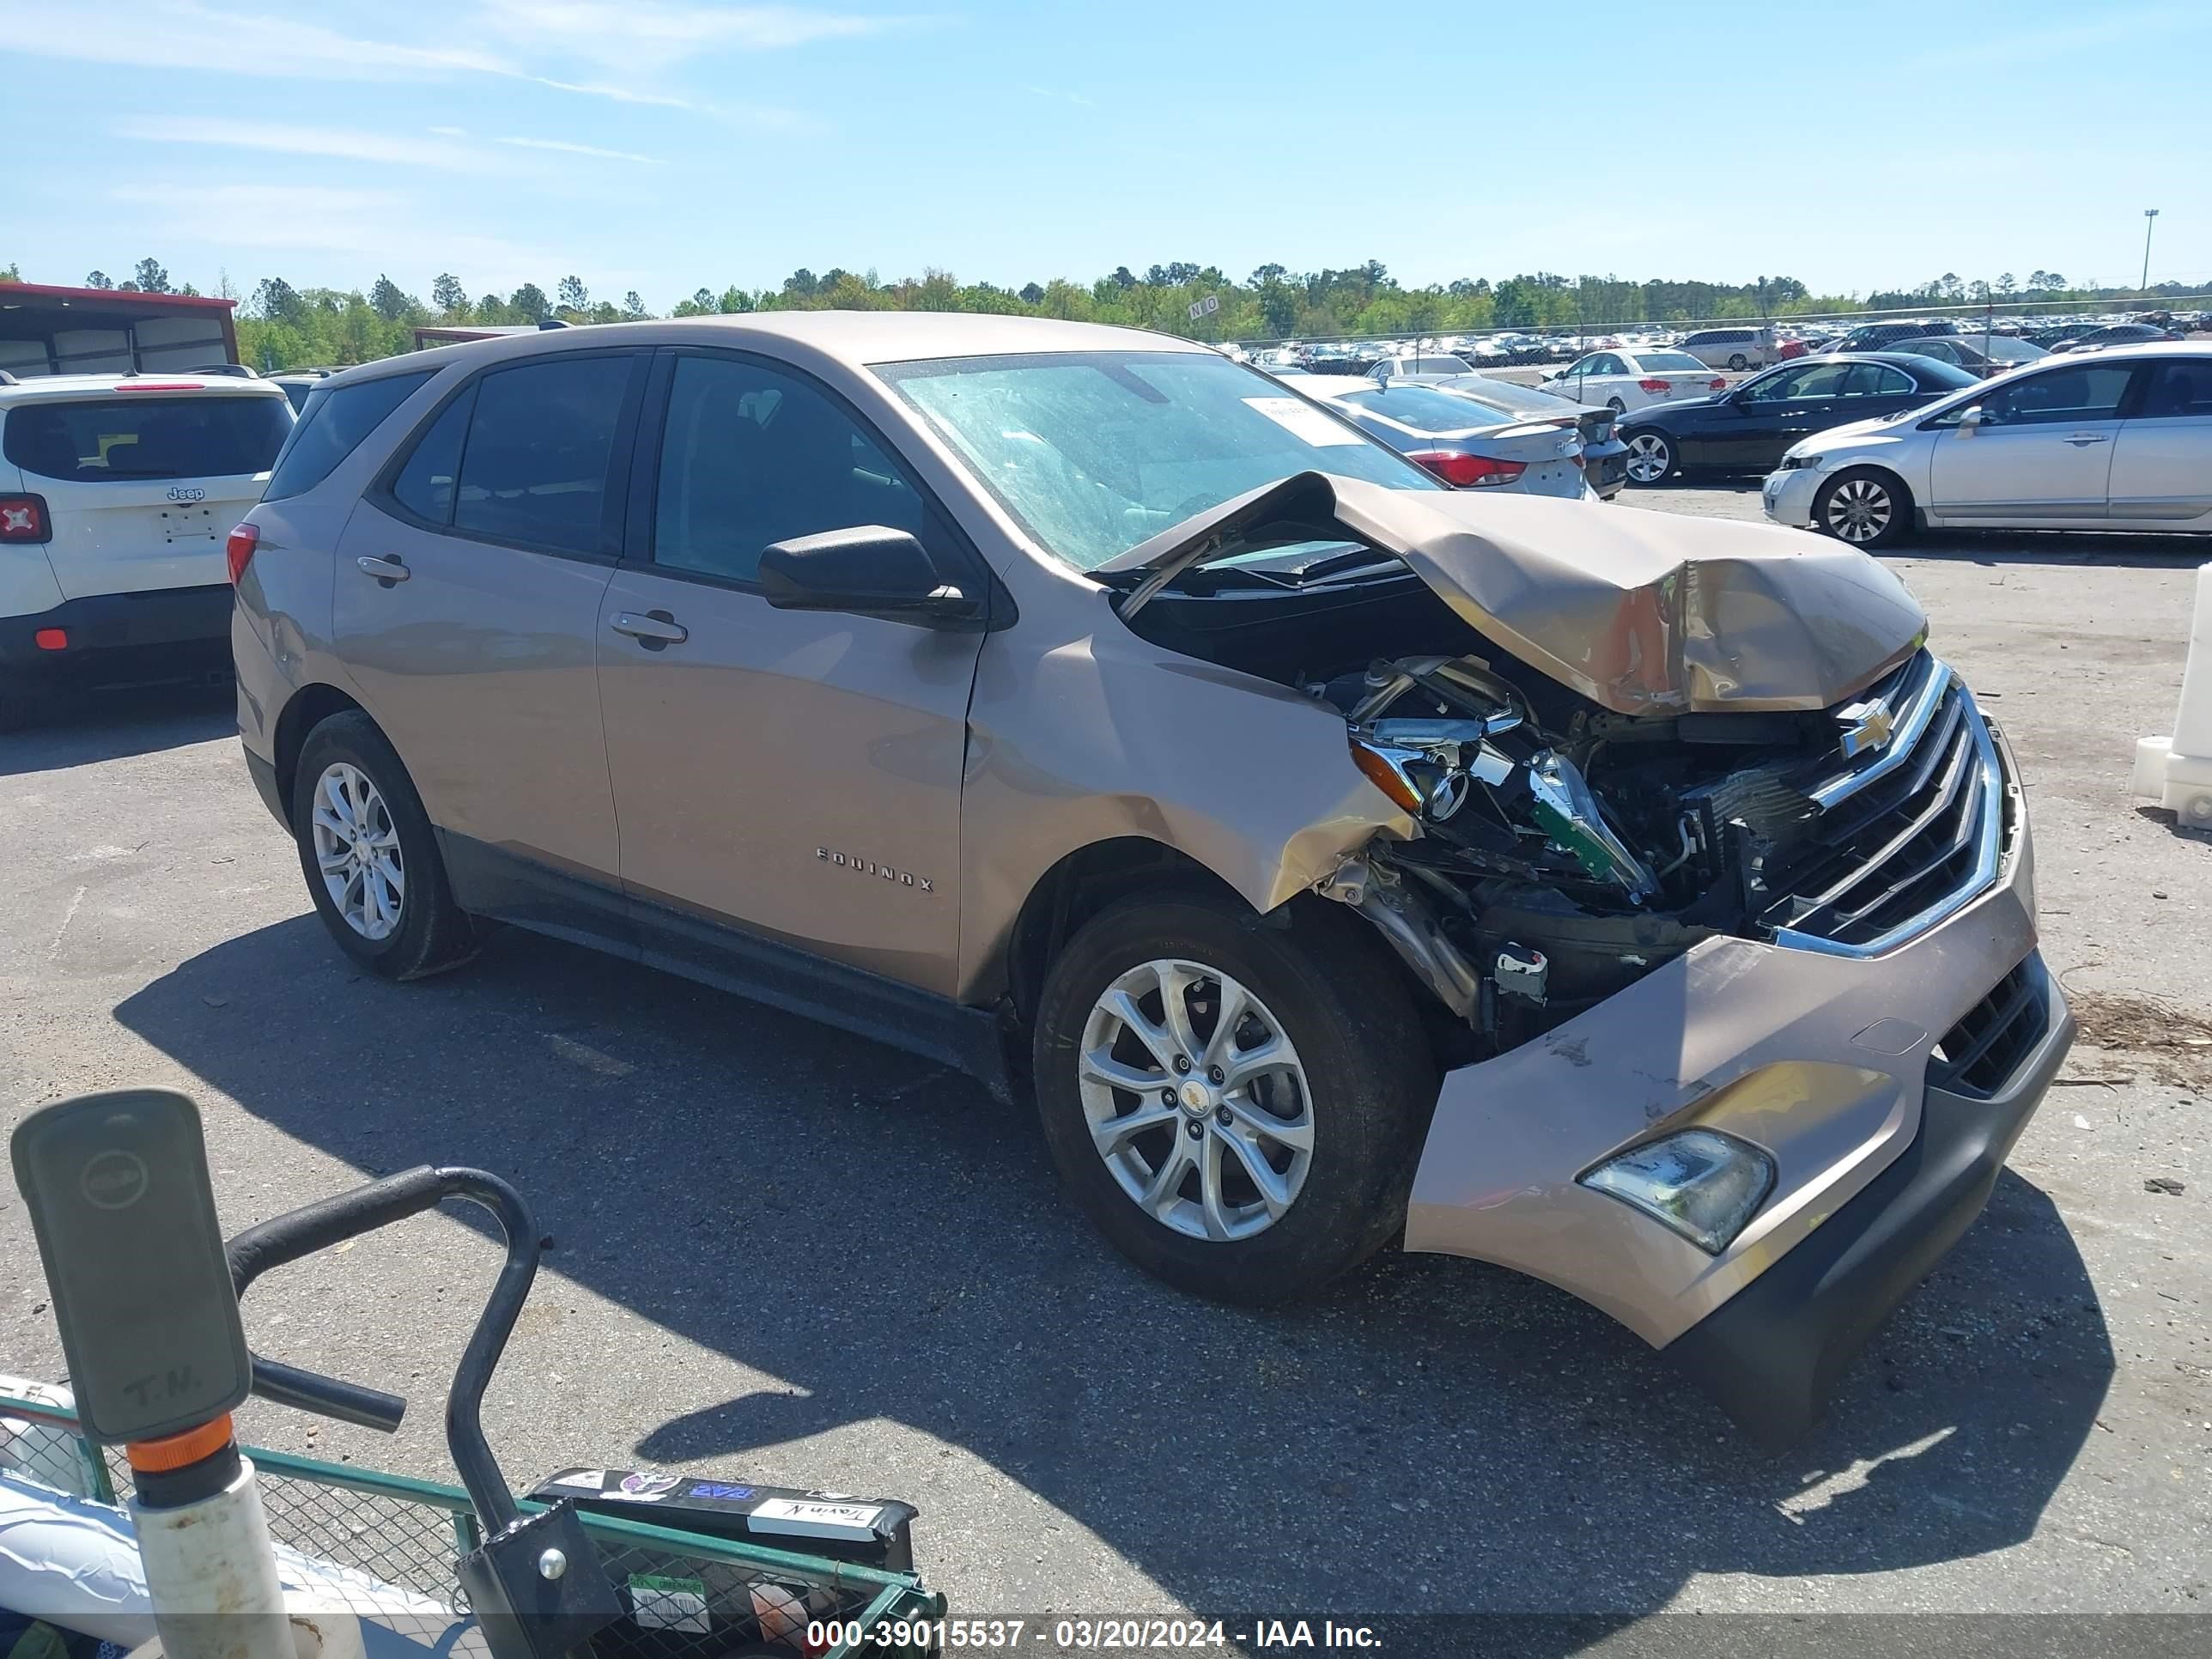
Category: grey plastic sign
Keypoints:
(118, 1190)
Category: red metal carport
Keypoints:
(45, 329)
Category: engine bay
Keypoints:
(1561, 850)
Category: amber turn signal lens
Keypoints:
(1385, 776)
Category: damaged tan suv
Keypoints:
(1339, 858)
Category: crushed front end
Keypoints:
(1720, 882)
(1752, 1004)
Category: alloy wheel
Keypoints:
(1196, 1101)
(1859, 510)
(357, 850)
(1648, 457)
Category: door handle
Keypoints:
(387, 569)
(653, 630)
(2081, 440)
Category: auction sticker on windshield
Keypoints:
(1295, 416)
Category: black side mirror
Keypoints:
(869, 570)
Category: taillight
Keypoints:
(1468, 472)
(1716, 384)
(237, 549)
(23, 519)
(1653, 386)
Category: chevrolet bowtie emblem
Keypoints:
(1866, 726)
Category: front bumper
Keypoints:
(122, 639)
(1788, 497)
(1822, 1060)
(1771, 1354)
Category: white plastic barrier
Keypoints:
(2176, 771)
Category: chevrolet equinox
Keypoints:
(1338, 858)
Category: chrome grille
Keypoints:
(1907, 833)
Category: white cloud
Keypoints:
(179, 35)
(566, 148)
(388, 225)
(338, 142)
(655, 33)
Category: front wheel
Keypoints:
(1650, 456)
(1236, 1106)
(370, 856)
(1867, 508)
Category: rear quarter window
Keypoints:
(331, 427)
(145, 435)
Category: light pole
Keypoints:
(2150, 223)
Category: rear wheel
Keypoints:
(1616, 406)
(1236, 1106)
(1650, 456)
(1867, 507)
(1738, 362)
(370, 856)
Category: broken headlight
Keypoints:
(1700, 1183)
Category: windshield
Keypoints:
(145, 436)
(1095, 452)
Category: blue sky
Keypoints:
(662, 145)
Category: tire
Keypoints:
(1616, 406)
(1865, 506)
(1651, 458)
(1738, 362)
(1327, 985)
(429, 933)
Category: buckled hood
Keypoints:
(1643, 612)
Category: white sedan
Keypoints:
(2119, 438)
(1622, 380)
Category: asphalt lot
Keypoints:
(788, 1255)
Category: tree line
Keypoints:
(282, 326)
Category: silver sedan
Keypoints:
(2117, 440)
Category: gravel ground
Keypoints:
(793, 1256)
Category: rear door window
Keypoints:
(146, 436)
(534, 467)
(331, 428)
(2179, 389)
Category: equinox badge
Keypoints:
(860, 866)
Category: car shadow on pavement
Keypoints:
(107, 726)
(889, 1242)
